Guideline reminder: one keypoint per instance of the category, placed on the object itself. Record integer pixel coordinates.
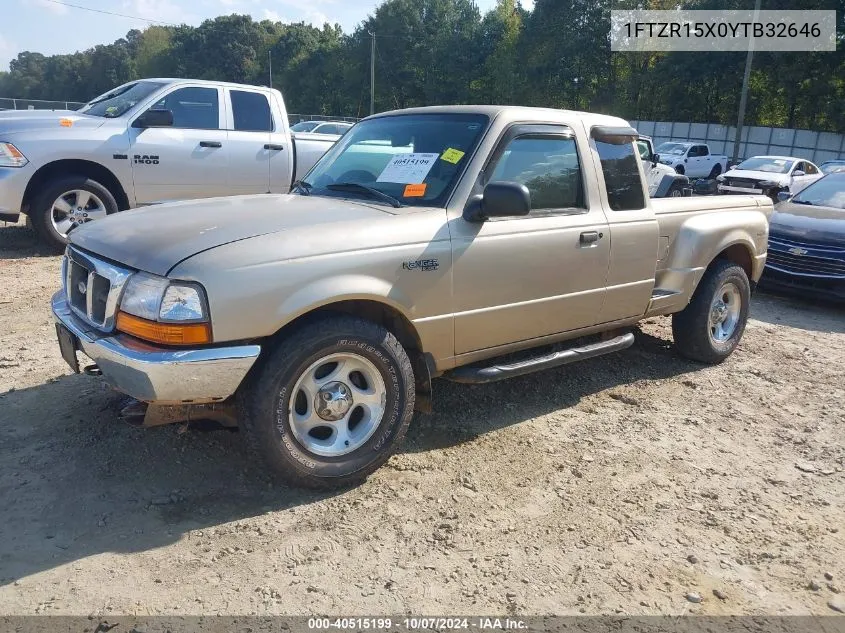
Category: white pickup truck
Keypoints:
(692, 159)
(146, 142)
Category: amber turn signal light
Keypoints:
(164, 333)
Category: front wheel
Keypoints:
(330, 404)
(717, 169)
(709, 329)
(675, 191)
(67, 203)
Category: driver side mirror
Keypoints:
(499, 200)
(798, 172)
(154, 118)
(655, 158)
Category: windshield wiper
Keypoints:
(303, 186)
(802, 202)
(356, 186)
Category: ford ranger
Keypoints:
(146, 142)
(692, 159)
(473, 243)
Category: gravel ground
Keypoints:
(638, 483)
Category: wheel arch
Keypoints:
(75, 167)
(377, 310)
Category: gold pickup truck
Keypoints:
(430, 242)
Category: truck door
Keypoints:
(529, 276)
(251, 142)
(188, 159)
(633, 231)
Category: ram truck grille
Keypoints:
(93, 287)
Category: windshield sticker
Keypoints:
(406, 169)
(453, 156)
(415, 191)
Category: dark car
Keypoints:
(807, 240)
(830, 166)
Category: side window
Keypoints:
(251, 111)
(328, 128)
(695, 151)
(642, 148)
(799, 166)
(621, 176)
(548, 166)
(703, 150)
(193, 108)
(810, 168)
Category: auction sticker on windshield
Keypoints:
(408, 169)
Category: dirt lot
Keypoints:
(619, 485)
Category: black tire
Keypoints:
(680, 170)
(691, 328)
(675, 191)
(717, 169)
(41, 208)
(265, 402)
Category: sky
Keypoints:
(47, 27)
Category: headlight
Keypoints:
(157, 309)
(11, 156)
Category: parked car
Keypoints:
(143, 143)
(692, 159)
(334, 128)
(830, 166)
(807, 240)
(769, 175)
(324, 314)
(662, 180)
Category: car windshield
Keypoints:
(827, 192)
(832, 166)
(120, 100)
(763, 163)
(673, 148)
(304, 126)
(415, 159)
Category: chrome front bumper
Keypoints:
(157, 374)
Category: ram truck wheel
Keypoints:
(330, 404)
(709, 329)
(66, 203)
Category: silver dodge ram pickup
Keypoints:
(146, 142)
(427, 242)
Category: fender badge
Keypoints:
(422, 264)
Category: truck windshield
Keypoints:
(120, 100)
(763, 163)
(673, 148)
(414, 158)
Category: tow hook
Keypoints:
(92, 370)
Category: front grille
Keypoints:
(805, 264)
(93, 287)
(747, 183)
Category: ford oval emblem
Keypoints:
(82, 287)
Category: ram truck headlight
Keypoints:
(11, 156)
(159, 310)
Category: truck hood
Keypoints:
(157, 238)
(808, 224)
(757, 175)
(14, 121)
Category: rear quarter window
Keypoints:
(619, 165)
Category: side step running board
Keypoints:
(481, 375)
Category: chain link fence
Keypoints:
(38, 104)
(816, 147)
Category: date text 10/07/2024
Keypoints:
(412, 623)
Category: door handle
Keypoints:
(590, 237)
(273, 147)
(211, 144)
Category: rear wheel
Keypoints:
(331, 403)
(67, 203)
(680, 169)
(709, 329)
